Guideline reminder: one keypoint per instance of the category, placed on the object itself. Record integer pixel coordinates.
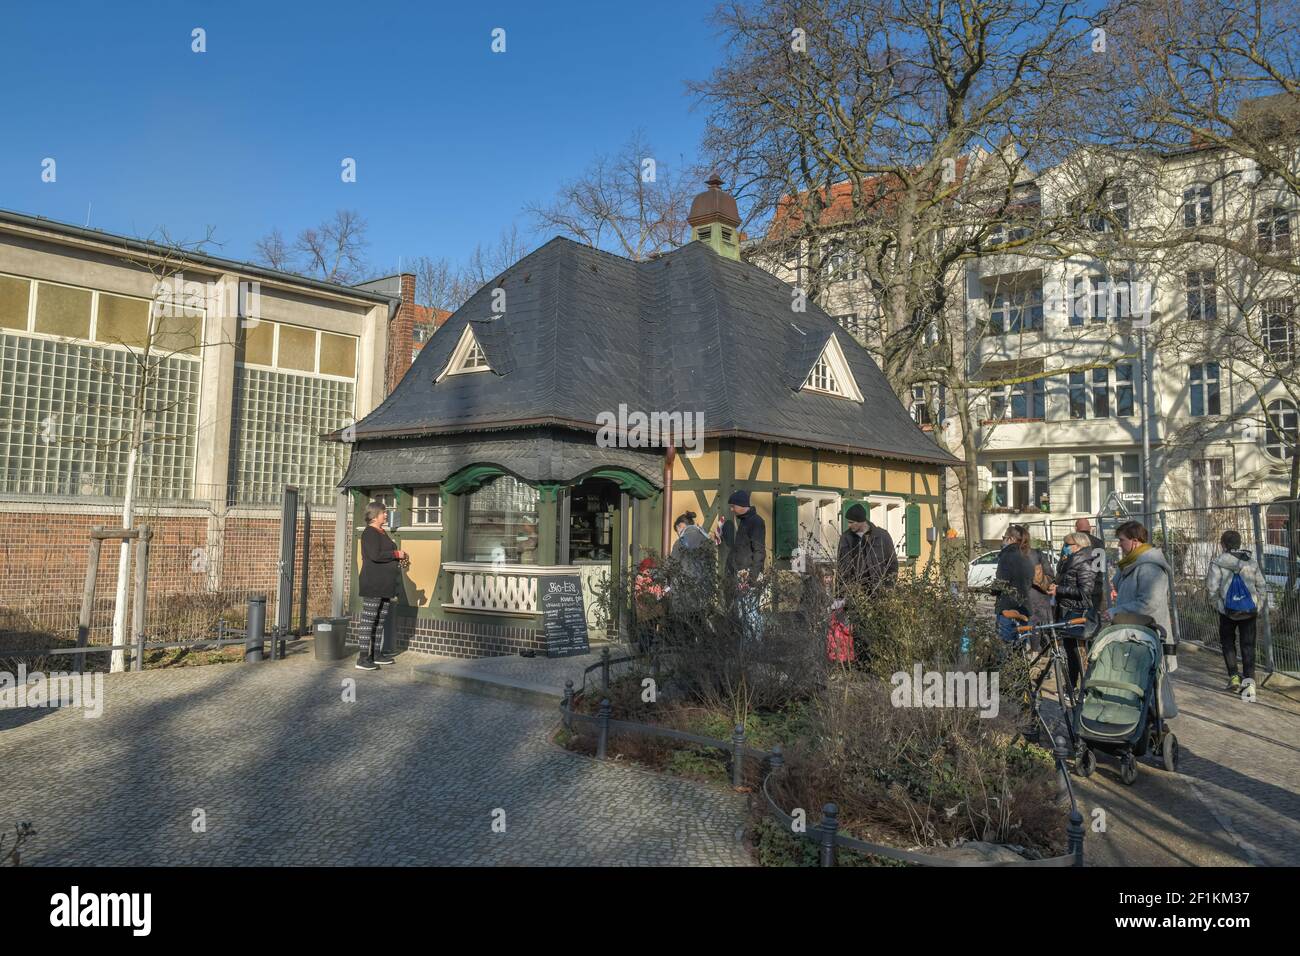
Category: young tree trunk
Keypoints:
(118, 662)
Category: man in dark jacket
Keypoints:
(866, 557)
(746, 538)
(1098, 550)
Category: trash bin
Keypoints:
(331, 633)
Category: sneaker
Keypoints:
(1234, 685)
(382, 658)
(366, 664)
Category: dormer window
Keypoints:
(822, 377)
(831, 375)
(467, 356)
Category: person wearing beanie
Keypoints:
(866, 558)
(746, 540)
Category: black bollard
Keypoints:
(568, 705)
(830, 828)
(255, 633)
(738, 756)
(603, 740)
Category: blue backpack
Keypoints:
(1238, 602)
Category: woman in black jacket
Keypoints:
(380, 576)
(1076, 581)
(1013, 580)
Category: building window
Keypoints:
(1205, 389)
(1022, 400)
(1114, 213)
(1207, 482)
(279, 418)
(853, 324)
(1021, 484)
(822, 377)
(1273, 229)
(1198, 205)
(1280, 435)
(1101, 393)
(1202, 300)
(1083, 484)
(66, 412)
(1078, 396)
(1110, 297)
(1124, 389)
(1278, 329)
(1017, 311)
(837, 262)
(920, 408)
(501, 523)
(388, 498)
(426, 508)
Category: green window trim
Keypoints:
(628, 481)
(786, 520)
(912, 525)
(471, 477)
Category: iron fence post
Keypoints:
(830, 827)
(738, 755)
(1074, 836)
(1173, 591)
(568, 704)
(603, 739)
(1257, 530)
(140, 605)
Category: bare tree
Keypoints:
(629, 203)
(881, 133)
(333, 251)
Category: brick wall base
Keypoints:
(466, 639)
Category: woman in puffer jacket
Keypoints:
(1075, 580)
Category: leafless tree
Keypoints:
(630, 203)
(333, 251)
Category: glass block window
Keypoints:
(65, 415)
(279, 418)
(426, 510)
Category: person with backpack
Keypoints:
(1235, 585)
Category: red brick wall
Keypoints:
(192, 585)
(401, 336)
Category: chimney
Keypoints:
(713, 219)
(401, 336)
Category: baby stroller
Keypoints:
(1121, 711)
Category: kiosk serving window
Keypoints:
(501, 522)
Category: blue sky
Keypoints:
(451, 140)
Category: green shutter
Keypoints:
(913, 519)
(787, 525)
(848, 503)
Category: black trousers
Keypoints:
(1230, 632)
(374, 612)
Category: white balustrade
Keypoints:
(498, 588)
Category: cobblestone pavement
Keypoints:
(1236, 797)
(288, 773)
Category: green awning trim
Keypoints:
(471, 478)
(628, 481)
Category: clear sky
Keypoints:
(450, 139)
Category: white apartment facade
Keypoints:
(1221, 428)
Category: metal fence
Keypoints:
(1190, 538)
(206, 559)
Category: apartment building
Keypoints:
(1221, 421)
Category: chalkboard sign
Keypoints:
(564, 622)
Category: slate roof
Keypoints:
(585, 330)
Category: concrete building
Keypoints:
(249, 367)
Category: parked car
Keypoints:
(981, 571)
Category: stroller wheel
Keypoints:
(1087, 762)
(1128, 769)
(1169, 752)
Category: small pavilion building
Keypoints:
(560, 419)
